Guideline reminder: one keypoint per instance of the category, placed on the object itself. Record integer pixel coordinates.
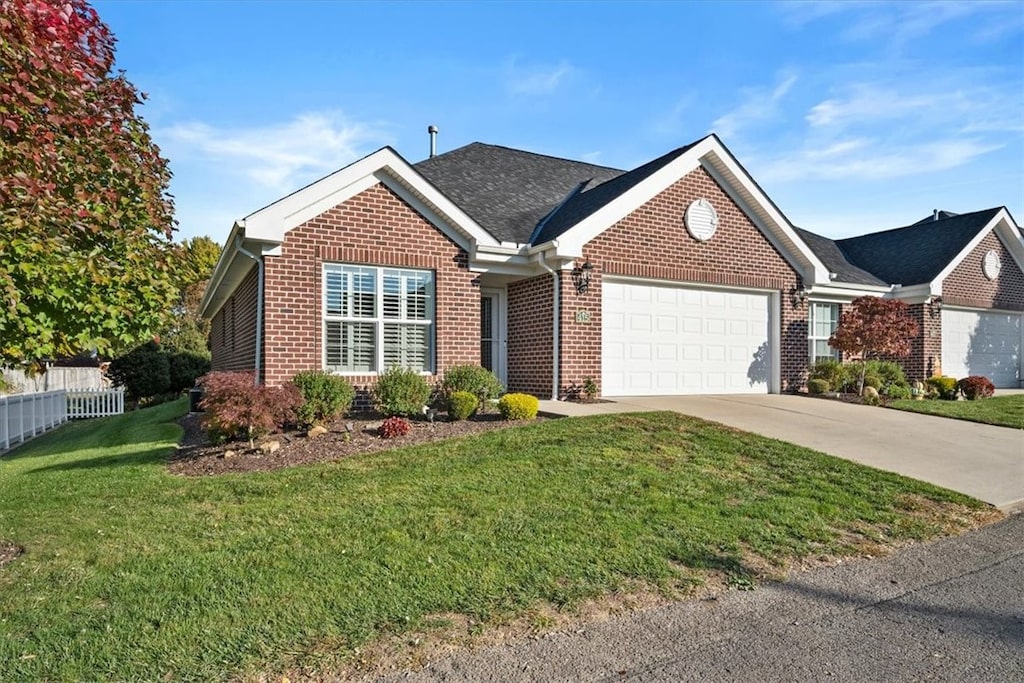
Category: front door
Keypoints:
(492, 332)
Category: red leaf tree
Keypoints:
(86, 258)
(875, 328)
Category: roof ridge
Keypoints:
(920, 224)
(540, 154)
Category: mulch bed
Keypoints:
(196, 456)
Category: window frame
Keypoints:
(380, 320)
(812, 338)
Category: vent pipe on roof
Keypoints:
(935, 212)
(432, 129)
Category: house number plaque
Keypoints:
(583, 317)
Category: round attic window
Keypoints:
(991, 265)
(701, 220)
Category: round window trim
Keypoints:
(991, 264)
(701, 220)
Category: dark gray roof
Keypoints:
(508, 191)
(593, 197)
(833, 258)
(915, 254)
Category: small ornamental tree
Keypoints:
(875, 328)
(236, 408)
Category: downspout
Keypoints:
(555, 331)
(259, 305)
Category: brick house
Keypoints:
(679, 276)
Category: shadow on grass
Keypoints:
(156, 454)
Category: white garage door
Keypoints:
(982, 343)
(663, 340)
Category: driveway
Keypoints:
(980, 460)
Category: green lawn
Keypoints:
(1006, 411)
(132, 573)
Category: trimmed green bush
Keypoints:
(944, 387)
(817, 386)
(897, 392)
(828, 369)
(873, 381)
(143, 372)
(325, 397)
(474, 379)
(518, 406)
(461, 404)
(889, 372)
(401, 391)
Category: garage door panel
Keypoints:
(697, 341)
(982, 343)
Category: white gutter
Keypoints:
(555, 328)
(259, 305)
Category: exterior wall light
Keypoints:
(581, 277)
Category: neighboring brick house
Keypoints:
(680, 276)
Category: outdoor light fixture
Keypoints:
(935, 302)
(799, 296)
(581, 277)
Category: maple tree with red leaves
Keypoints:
(875, 328)
(86, 221)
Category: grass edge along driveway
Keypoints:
(1002, 411)
(133, 573)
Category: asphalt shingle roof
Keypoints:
(593, 197)
(508, 191)
(834, 259)
(915, 254)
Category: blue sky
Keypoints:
(852, 116)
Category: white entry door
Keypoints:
(664, 340)
(984, 343)
(492, 332)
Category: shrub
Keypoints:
(828, 369)
(518, 406)
(143, 372)
(873, 381)
(401, 391)
(897, 392)
(889, 372)
(589, 388)
(944, 387)
(461, 405)
(975, 387)
(236, 408)
(475, 379)
(325, 397)
(185, 368)
(393, 427)
(817, 386)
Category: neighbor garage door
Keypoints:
(664, 340)
(982, 343)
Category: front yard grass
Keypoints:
(131, 573)
(1005, 411)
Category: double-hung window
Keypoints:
(823, 322)
(375, 318)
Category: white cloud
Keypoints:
(536, 80)
(280, 156)
(864, 160)
(758, 105)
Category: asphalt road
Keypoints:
(952, 610)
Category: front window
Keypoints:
(823, 321)
(375, 318)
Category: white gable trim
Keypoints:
(712, 155)
(1007, 232)
(270, 223)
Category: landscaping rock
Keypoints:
(229, 454)
(870, 392)
(316, 431)
(268, 447)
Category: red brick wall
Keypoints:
(528, 352)
(376, 227)
(652, 242)
(968, 286)
(926, 349)
(233, 329)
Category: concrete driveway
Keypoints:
(980, 460)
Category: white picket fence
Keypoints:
(23, 416)
(95, 402)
